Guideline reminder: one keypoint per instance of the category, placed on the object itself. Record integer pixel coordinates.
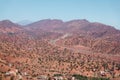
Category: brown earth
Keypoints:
(51, 47)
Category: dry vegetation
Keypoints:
(29, 54)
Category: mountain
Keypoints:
(46, 24)
(75, 26)
(99, 37)
(24, 22)
(7, 26)
(52, 48)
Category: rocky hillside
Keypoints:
(47, 48)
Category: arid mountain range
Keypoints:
(48, 47)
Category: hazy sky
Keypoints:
(104, 11)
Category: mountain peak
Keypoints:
(24, 22)
(7, 22)
(50, 20)
(8, 26)
(79, 20)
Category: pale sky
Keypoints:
(103, 11)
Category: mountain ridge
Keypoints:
(50, 47)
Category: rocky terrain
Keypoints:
(56, 50)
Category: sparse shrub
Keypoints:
(80, 77)
(57, 74)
